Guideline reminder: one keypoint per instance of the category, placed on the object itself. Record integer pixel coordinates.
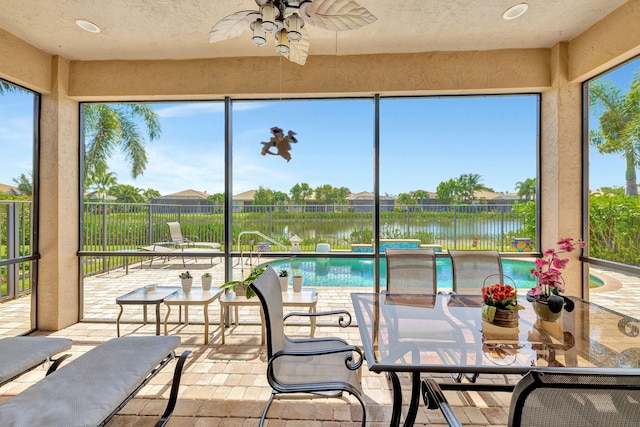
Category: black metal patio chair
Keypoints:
(562, 397)
(324, 367)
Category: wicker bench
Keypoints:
(19, 355)
(91, 389)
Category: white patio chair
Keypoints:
(178, 239)
(411, 271)
(470, 269)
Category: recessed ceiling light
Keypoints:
(515, 11)
(87, 26)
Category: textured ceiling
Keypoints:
(178, 29)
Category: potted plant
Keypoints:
(545, 296)
(297, 282)
(187, 281)
(283, 276)
(241, 287)
(500, 305)
(206, 281)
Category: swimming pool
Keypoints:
(354, 272)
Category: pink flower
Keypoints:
(560, 263)
(535, 292)
(541, 262)
(548, 269)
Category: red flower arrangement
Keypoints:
(498, 296)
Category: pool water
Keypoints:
(353, 272)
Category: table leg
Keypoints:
(312, 310)
(223, 313)
(144, 314)
(415, 399)
(206, 324)
(157, 319)
(397, 399)
(118, 319)
(166, 318)
(186, 315)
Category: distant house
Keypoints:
(240, 201)
(186, 197)
(8, 189)
(99, 197)
(491, 198)
(364, 200)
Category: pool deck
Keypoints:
(225, 384)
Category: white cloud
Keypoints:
(188, 109)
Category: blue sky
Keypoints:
(423, 141)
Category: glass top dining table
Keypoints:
(446, 333)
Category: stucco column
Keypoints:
(561, 165)
(58, 291)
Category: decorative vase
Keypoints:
(206, 283)
(297, 283)
(544, 313)
(502, 317)
(186, 285)
(284, 283)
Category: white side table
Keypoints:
(196, 297)
(307, 298)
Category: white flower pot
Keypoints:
(284, 283)
(297, 283)
(186, 285)
(206, 283)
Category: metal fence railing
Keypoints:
(115, 226)
(15, 241)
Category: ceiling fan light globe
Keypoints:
(259, 40)
(268, 13)
(294, 36)
(259, 36)
(282, 47)
(294, 23)
(282, 50)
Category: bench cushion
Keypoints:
(85, 391)
(19, 354)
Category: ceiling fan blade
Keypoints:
(233, 25)
(299, 51)
(336, 15)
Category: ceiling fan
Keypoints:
(285, 19)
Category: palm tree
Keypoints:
(8, 87)
(619, 130)
(126, 193)
(25, 187)
(300, 192)
(109, 127)
(421, 197)
(468, 184)
(100, 183)
(526, 189)
(150, 194)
